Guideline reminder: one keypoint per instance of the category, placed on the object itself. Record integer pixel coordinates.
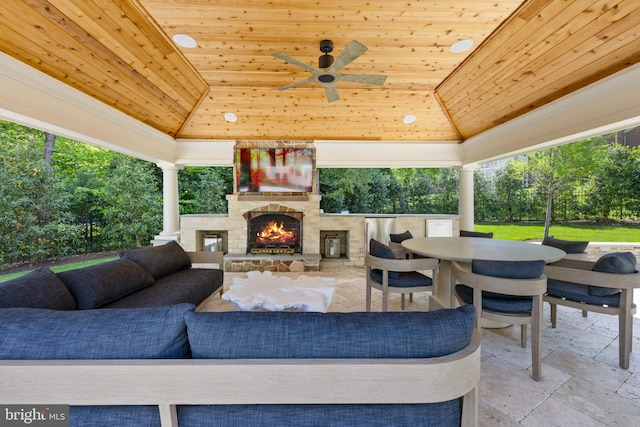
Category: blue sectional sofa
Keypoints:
(172, 365)
(142, 277)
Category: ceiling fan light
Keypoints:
(325, 61)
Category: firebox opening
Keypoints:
(270, 233)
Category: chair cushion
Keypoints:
(496, 302)
(404, 279)
(465, 233)
(141, 333)
(569, 246)
(303, 335)
(615, 263)
(39, 289)
(380, 250)
(508, 269)
(399, 238)
(160, 261)
(580, 293)
(101, 284)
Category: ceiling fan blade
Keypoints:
(367, 79)
(296, 84)
(350, 53)
(295, 62)
(331, 92)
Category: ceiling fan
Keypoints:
(328, 71)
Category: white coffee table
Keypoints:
(261, 291)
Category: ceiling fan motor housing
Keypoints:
(326, 47)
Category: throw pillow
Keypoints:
(160, 261)
(100, 284)
(569, 246)
(615, 263)
(39, 289)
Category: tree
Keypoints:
(132, 203)
(555, 169)
(35, 223)
(203, 189)
(49, 146)
(615, 187)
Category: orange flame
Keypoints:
(275, 233)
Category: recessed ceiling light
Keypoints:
(461, 46)
(408, 119)
(230, 117)
(184, 40)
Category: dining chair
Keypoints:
(506, 292)
(604, 286)
(389, 274)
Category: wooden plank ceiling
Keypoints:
(525, 54)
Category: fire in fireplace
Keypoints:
(270, 233)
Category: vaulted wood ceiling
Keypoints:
(525, 55)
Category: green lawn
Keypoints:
(59, 268)
(590, 233)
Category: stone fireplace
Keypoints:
(274, 233)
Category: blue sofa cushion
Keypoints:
(120, 416)
(445, 414)
(39, 289)
(380, 250)
(507, 270)
(401, 237)
(260, 335)
(100, 284)
(160, 261)
(186, 286)
(569, 246)
(144, 333)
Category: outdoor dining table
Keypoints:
(465, 249)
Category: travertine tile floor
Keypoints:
(582, 384)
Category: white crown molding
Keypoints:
(191, 152)
(387, 154)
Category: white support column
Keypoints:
(466, 205)
(170, 208)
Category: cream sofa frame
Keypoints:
(168, 383)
